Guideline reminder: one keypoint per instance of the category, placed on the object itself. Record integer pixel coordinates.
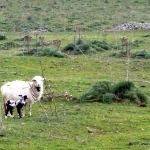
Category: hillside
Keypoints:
(67, 15)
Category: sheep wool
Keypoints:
(33, 89)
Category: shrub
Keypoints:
(100, 45)
(82, 48)
(142, 97)
(119, 53)
(43, 52)
(79, 42)
(69, 47)
(78, 47)
(2, 37)
(96, 92)
(146, 35)
(108, 98)
(136, 96)
(141, 54)
(9, 45)
(50, 52)
(107, 92)
(122, 87)
(136, 43)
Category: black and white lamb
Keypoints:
(11, 104)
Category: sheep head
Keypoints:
(38, 82)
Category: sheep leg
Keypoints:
(24, 111)
(30, 108)
(19, 112)
(6, 111)
(11, 111)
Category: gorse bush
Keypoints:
(50, 52)
(141, 54)
(108, 92)
(146, 35)
(69, 47)
(2, 37)
(9, 45)
(80, 46)
(119, 53)
(136, 43)
(122, 87)
(108, 98)
(96, 93)
(100, 45)
(136, 96)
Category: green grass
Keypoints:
(113, 126)
(88, 126)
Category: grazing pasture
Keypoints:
(63, 124)
(67, 125)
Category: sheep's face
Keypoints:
(38, 82)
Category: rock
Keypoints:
(132, 26)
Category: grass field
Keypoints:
(67, 15)
(68, 125)
(76, 125)
(79, 126)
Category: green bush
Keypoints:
(2, 37)
(136, 43)
(141, 54)
(43, 52)
(136, 96)
(142, 97)
(122, 87)
(9, 45)
(69, 47)
(81, 48)
(100, 45)
(108, 92)
(96, 92)
(119, 53)
(50, 52)
(79, 42)
(108, 98)
(78, 47)
(146, 35)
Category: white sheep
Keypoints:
(33, 89)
